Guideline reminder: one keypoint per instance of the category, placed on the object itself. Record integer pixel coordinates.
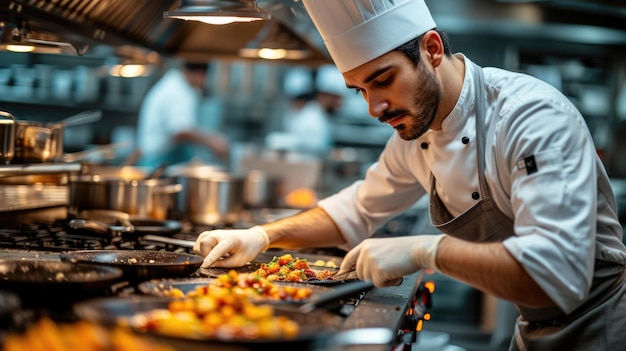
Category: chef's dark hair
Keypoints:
(196, 66)
(411, 48)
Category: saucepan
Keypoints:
(139, 265)
(149, 198)
(37, 142)
(216, 198)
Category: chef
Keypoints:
(308, 124)
(508, 163)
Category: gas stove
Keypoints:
(57, 236)
(400, 308)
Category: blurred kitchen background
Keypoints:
(105, 55)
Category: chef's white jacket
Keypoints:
(560, 216)
(171, 106)
(308, 130)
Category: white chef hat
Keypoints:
(298, 81)
(329, 80)
(358, 31)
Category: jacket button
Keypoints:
(424, 146)
(475, 195)
(465, 140)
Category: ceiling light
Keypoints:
(218, 11)
(20, 48)
(274, 42)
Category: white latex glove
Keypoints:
(384, 261)
(230, 247)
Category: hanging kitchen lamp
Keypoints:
(275, 42)
(218, 11)
(19, 37)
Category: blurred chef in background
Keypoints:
(315, 98)
(167, 128)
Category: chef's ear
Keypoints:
(432, 47)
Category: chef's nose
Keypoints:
(376, 105)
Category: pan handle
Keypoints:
(100, 227)
(329, 299)
(107, 216)
(166, 240)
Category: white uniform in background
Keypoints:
(308, 129)
(171, 106)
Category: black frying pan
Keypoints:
(314, 325)
(135, 227)
(121, 223)
(140, 265)
(45, 281)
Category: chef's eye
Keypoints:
(358, 91)
(383, 83)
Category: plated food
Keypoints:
(248, 284)
(288, 268)
(47, 334)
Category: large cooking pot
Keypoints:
(7, 137)
(263, 190)
(121, 172)
(37, 142)
(151, 198)
(215, 199)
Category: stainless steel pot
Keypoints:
(116, 172)
(37, 142)
(263, 190)
(151, 198)
(7, 137)
(216, 199)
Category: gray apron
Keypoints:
(587, 328)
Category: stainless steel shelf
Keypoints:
(39, 168)
(28, 197)
(35, 195)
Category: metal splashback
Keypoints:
(141, 23)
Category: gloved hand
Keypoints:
(385, 260)
(235, 247)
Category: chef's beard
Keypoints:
(428, 95)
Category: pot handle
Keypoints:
(169, 189)
(7, 115)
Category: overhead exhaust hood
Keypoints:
(141, 23)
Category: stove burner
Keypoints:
(57, 236)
